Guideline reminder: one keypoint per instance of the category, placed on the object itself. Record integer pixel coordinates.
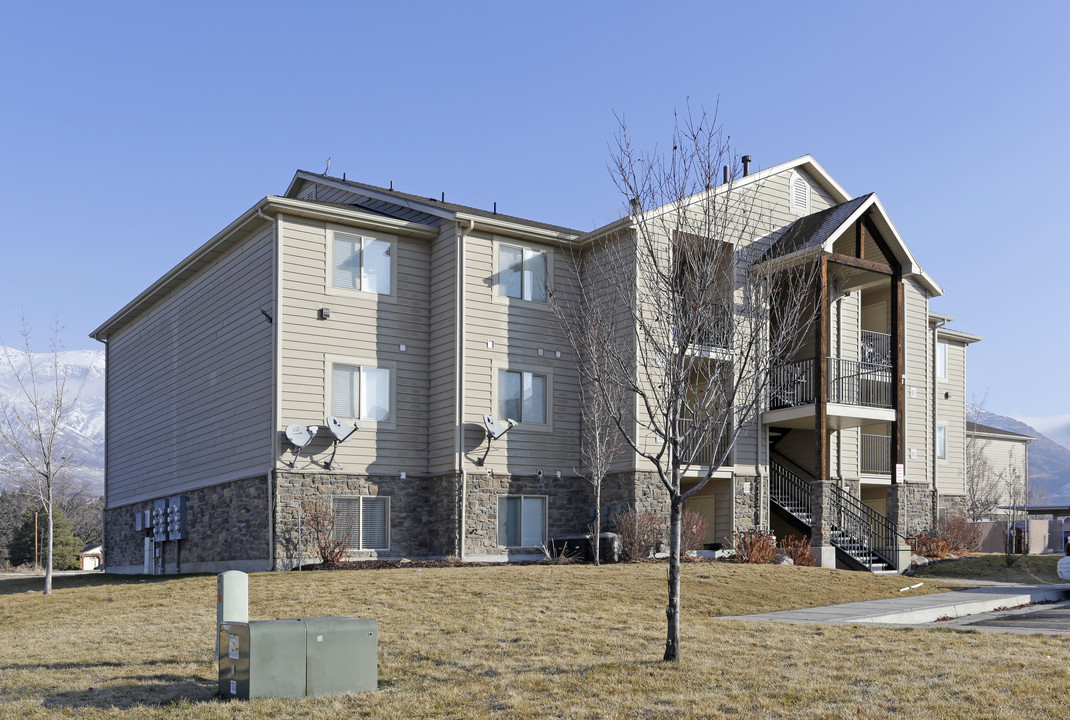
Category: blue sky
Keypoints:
(133, 132)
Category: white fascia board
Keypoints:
(957, 335)
(517, 229)
(806, 162)
(321, 211)
(178, 273)
(385, 196)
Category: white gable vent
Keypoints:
(799, 191)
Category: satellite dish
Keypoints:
(341, 430)
(495, 428)
(299, 435)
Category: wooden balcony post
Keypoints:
(821, 346)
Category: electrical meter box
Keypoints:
(297, 658)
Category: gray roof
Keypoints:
(813, 230)
(989, 430)
(448, 206)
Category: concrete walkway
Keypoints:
(915, 609)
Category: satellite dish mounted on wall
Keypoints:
(495, 429)
(341, 432)
(300, 437)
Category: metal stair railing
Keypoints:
(863, 529)
(790, 491)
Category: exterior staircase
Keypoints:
(864, 539)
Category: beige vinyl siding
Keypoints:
(518, 329)
(190, 382)
(363, 329)
(442, 352)
(951, 473)
(848, 317)
(1008, 460)
(917, 353)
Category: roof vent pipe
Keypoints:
(746, 165)
(726, 174)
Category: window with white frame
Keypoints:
(361, 392)
(522, 396)
(522, 273)
(521, 520)
(941, 360)
(363, 522)
(361, 263)
(941, 441)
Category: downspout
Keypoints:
(275, 354)
(460, 340)
(932, 425)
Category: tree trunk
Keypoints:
(672, 611)
(48, 560)
(597, 540)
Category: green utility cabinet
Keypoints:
(297, 658)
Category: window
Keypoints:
(360, 392)
(522, 396)
(363, 522)
(361, 263)
(522, 273)
(941, 360)
(521, 521)
(941, 442)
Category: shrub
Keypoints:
(930, 546)
(640, 533)
(754, 546)
(693, 528)
(963, 536)
(797, 547)
(329, 537)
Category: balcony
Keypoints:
(859, 392)
(876, 455)
(711, 331)
(707, 452)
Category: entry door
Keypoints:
(704, 505)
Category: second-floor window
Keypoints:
(361, 263)
(360, 392)
(522, 273)
(941, 442)
(522, 396)
(941, 360)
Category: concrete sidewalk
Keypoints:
(915, 609)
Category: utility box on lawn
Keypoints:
(297, 658)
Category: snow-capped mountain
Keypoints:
(85, 426)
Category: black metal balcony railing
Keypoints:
(876, 454)
(792, 384)
(850, 382)
(860, 383)
(876, 348)
(700, 451)
(714, 330)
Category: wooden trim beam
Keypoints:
(861, 264)
(821, 370)
(899, 427)
(883, 246)
(860, 245)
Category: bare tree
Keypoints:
(983, 484)
(38, 455)
(586, 316)
(1015, 491)
(710, 309)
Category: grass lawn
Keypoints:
(1034, 569)
(523, 642)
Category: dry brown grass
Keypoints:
(522, 642)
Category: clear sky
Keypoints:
(130, 133)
